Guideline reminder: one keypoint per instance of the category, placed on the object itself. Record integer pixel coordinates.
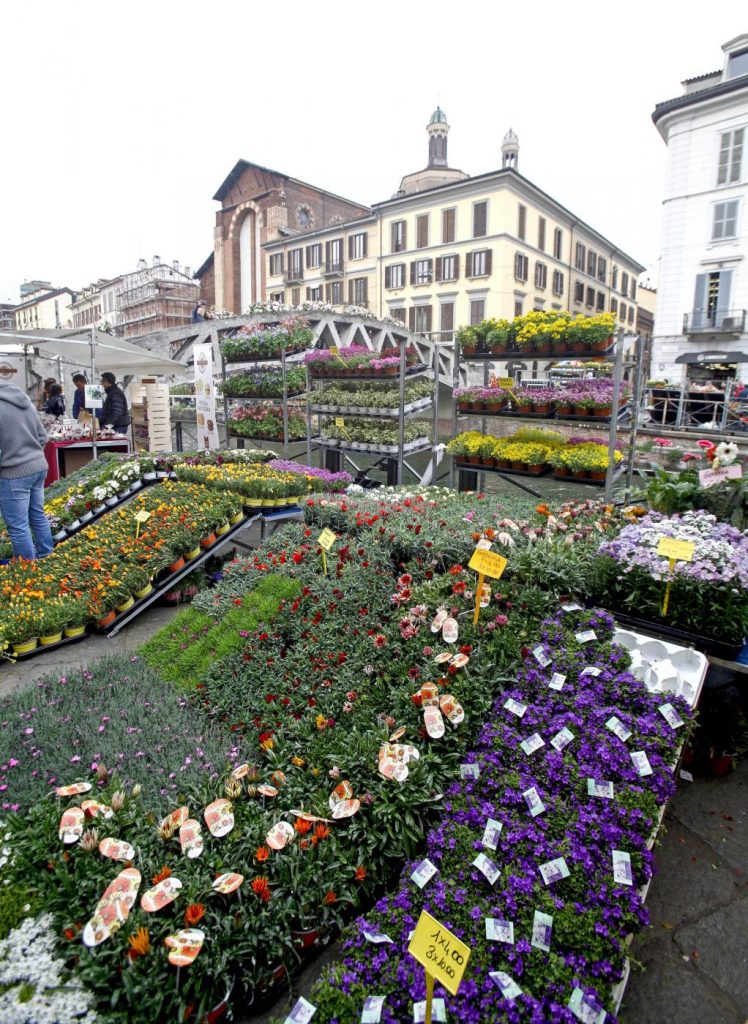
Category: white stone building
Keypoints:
(700, 329)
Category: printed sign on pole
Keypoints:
(205, 398)
(442, 955)
(94, 396)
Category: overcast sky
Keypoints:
(120, 120)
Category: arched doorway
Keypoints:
(246, 261)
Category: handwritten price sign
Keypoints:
(326, 540)
(487, 563)
(676, 549)
(442, 955)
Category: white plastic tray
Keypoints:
(665, 668)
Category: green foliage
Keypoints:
(678, 492)
(16, 903)
(184, 651)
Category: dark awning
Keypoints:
(712, 357)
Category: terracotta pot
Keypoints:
(545, 408)
(543, 350)
(520, 466)
(465, 406)
(560, 346)
(602, 412)
(469, 350)
(597, 474)
(522, 409)
(561, 471)
(108, 619)
(498, 350)
(474, 460)
(176, 566)
(206, 542)
(564, 410)
(489, 463)
(581, 410)
(720, 766)
(503, 463)
(493, 407)
(602, 345)
(579, 474)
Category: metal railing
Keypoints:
(294, 275)
(332, 267)
(727, 321)
(684, 409)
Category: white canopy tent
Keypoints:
(89, 349)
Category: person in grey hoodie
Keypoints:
(23, 470)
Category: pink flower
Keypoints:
(428, 651)
(501, 620)
(28, 732)
(663, 442)
(705, 444)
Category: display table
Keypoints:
(65, 457)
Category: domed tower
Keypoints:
(510, 150)
(438, 130)
(437, 171)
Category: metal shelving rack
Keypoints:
(617, 416)
(394, 462)
(259, 363)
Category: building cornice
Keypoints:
(694, 99)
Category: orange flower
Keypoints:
(261, 888)
(262, 853)
(320, 832)
(140, 943)
(302, 826)
(330, 898)
(194, 913)
(360, 873)
(162, 874)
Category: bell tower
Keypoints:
(438, 129)
(510, 150)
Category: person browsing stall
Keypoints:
(79, 398)
(114, 411)
(23, 470)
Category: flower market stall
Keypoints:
(354, 725)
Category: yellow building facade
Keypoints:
(449, 250)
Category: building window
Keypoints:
(477, 311)
(737, 65)
(276, 265)
(521, 266)
(602, 268)
(277, 297)
(558, 282)
(296, 264)
(541, 234)
(447, 268)
(580, 254)
(633, 287)
(730, 156)
(420, 319)
(295, 296)
(579, 291)
(624, 283)
(630, 317)
(712, 299)
(614, 305)
(541, 275)
(558, 242)
(334, 293)
(478, 263)
(420, 272)
(398, 313)
(480, 219)
(358, 291)
(592, 263)
(590, 300)
(725, 222)
(334, 255)
(398, 236)
(600, 304)
(314, 255)
(447, 317)
(448, 226)
(614, 278)
(357, 246)
(422, 231)
(314, 294)
(518, 307)
(394, 276)
(521, 221)
(622, 312)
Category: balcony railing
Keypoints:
(333, 268)
(294, 275)
(721, 321)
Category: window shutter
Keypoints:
(308, 294)
(428, 326)
(723, 292)
(364, 245)
(447, 317)
(308, 256)
(479, 220)
(393, 237)
(350, 247)
(405, 236)
(350, 292)
(457, 268)
(468, 264)
(412, 271)
(489, 256)
(412, 318)
(366, 291)
(439, 276)
(388, 277)
(431, 269)
(328, 251)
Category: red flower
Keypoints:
(458, 588)
(302, 826)
(360, 873)
(262, 853)
(380, 640)
(330, 898)
(261, 888)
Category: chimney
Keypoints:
(188, 271)
(156, 260)
(175, 265)
(142, 264)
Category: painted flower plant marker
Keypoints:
(219, 817)
(190, 838)
(71, 825)
(184, 946)
(161, 895)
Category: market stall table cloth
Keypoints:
(52, 453)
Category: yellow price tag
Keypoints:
(442, 954)
(142, 516)
(505, 382)
(487, 563)
(326, 539)
(669, 547)
(333, 350)
(339, 421)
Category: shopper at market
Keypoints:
(114, 411)
(43, 394)
(23, 470)
(79, 398)
(55, 404)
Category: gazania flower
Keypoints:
(262, 853)
(261, 888)
(194, 913)
(302, 826)
(162, 874)
(140, 943)
(330, 898)
(360, 873)
(320, 832)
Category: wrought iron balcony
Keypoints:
(294, 275)
(721, 321)
(333, 268)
